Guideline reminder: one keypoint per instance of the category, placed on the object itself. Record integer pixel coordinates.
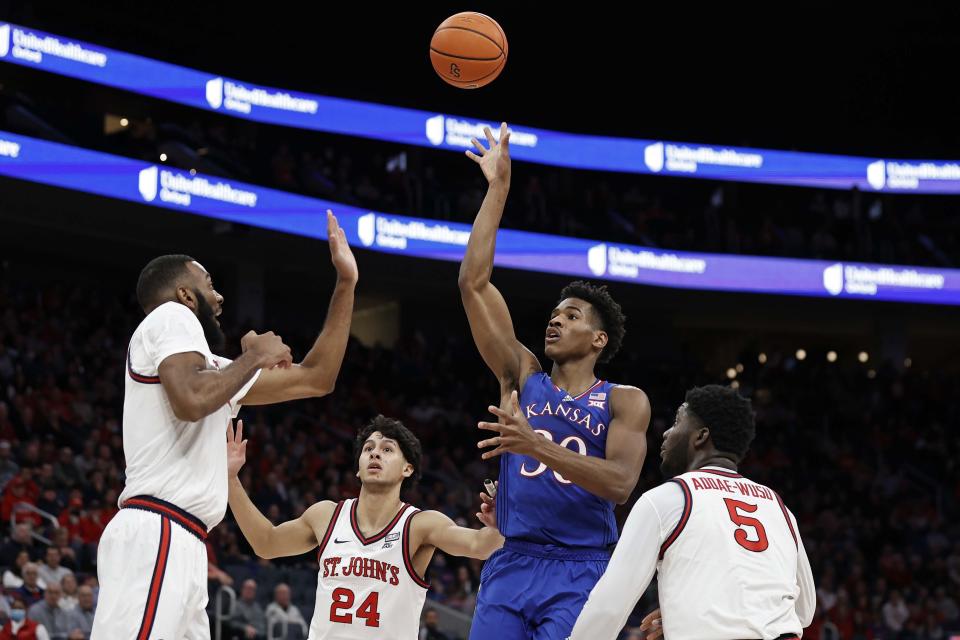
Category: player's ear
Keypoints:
(185, 296)
(600, 339)
(703, 434)
(407, 470)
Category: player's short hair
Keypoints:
(158, 276)
(393, 429)
(727, 414)
(607, 310)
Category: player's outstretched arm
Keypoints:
(444, 534)
(486, 309)
(317, 374)
(268, 541)
(612, 478)
(628, 574)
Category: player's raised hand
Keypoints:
(516, 434)
(488, 507)
(340, 253)
(652, 624)
(268, 348)
(236, 449)
(495, 160)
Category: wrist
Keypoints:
(500, 183)
(345, 282)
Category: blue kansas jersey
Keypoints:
(534, 503)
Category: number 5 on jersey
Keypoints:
(734, 507)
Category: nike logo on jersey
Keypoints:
(339, 541)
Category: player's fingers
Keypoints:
(473, 156)
(479, 147)
(486, 498)
(493, 454)
(489, 442)
(239, 436)
(504, 136)
(490, 426)
(490, 139)
(497, 411)
(515, 402)
(656, 632)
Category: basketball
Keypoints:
(468, 50)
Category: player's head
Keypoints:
(180, 278)
(586, 323)
(387, 454)
(714, 421)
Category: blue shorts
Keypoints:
(534, 592)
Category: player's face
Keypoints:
(677, 449)
(571, 333)
(209, 306)
(382, 462)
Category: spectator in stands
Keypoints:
(282, 609)
(20, 489)
(895, 613)
(13, 577)
(50, 571)
(20, 540)
(8, 467)
(48, 613)
(428, 627)
(30, 590)
(81, 618)
(249, 621)
(69, 600)
(19, 627)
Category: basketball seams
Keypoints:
(458, 57)
(479, 33)
(469, 82)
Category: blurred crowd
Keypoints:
(866, 459)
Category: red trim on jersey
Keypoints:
(595, 385)
(380, 536)
(786, 515)
(156, 583)
(326, 536)
(687, 508)
(725, 474)
(407, 560)
(136, 377)
(166, 510)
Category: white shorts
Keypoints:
(152, 568)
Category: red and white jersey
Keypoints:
(184, 463)
(367, 586)
(729, 559)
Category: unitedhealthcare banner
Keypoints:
(68, 57)
(157, 185)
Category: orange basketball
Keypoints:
(468, 50)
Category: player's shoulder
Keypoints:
(320, 513)
(626, 398)
(429, 519)
(168, 315)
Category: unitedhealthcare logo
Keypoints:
(455, 132)
(148, 183)
(865, 280)
(215, 92)
(833, 279)
(395, 233)
(877, 174)
(4, 40)
(179, 189)
(597, 259)
(653, 157)
(435, 130)
(367, 229)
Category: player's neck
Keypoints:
(574, 377)
(714, 461)
(375, 509)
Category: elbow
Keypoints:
(323, 388)
(188, 412)
(623, 490)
